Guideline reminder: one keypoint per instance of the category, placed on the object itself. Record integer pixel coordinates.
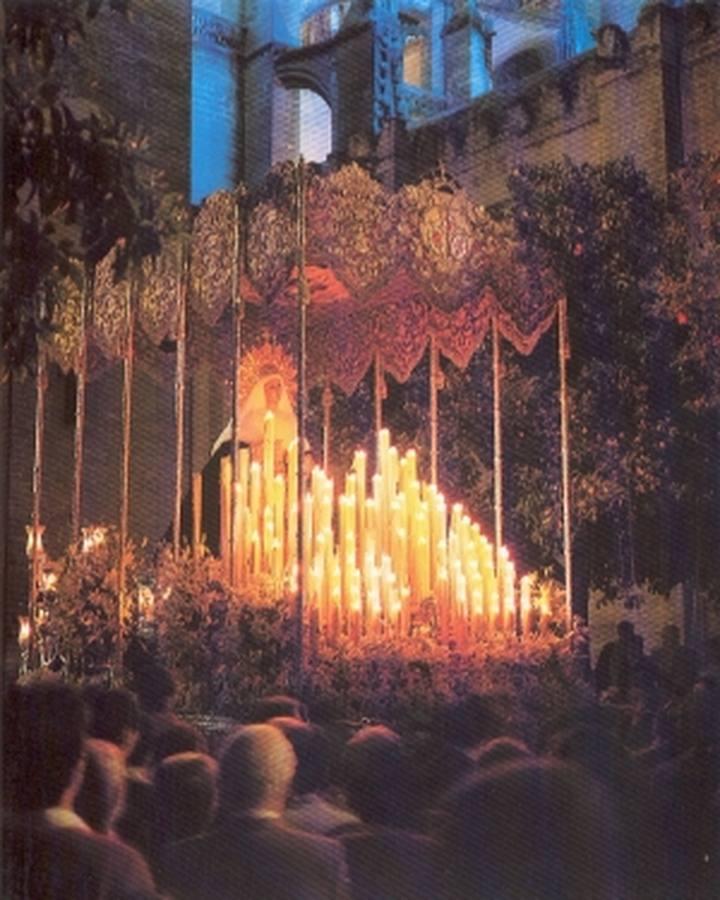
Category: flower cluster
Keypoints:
(226, 648)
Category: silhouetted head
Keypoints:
(178, 737)
(185, 795)
(530, 829)
(474, 719)
(278, 705)
(501, 750)
(257, 767)
(377, 775)
(115, 717)
(312, 749)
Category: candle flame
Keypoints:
(24, 630)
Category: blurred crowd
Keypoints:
(107, 793)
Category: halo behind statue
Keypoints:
(263, 360)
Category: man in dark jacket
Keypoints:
(251, 852)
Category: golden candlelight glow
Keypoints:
(383, 545)
(34, 539)
(146, 602)
(93, 537)
(48, 581)
(24, 630)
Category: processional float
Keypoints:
(344, 277)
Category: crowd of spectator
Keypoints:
(109, 794)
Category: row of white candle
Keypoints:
(369, 560)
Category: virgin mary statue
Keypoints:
(267, 384)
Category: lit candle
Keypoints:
(371, 538)
(509, 590)
(386, 580)
(404, 594)
(48, 581)
(292, 467)
(255, 550)
(92, 538)
(24, 631)
(308, 504)
(335, 621)
(392, 472)
(146, 602)
(411, 457)
(268, 455)
(383, 449)
(268, 534)
(225, 510)
(360, 464)
(279, 512)
(526, 603)
(255, 476)
(35, 540)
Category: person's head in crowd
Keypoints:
(276, 706)
(312, 749)
(43, 739)
(474, 719)
(626, 632)
(535, 829)
(116, 718)
(257, 767)
(377, 776)
(595, 749)
(178, 737)
(155, 688)
(101, 798)
(501, 750)
(185, 795)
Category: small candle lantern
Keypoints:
(24, 631)
(34, 541)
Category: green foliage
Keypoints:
(409, 690)
(602, 229)
(689, 288)
(78, 618)
(73, 178)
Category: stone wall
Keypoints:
(653, 95)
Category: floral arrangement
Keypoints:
(226, 648)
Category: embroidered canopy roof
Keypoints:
(386, 273)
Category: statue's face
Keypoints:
(273, 392)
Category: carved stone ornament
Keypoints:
(613, 45)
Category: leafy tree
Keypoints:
(74, 182)
(602, 229)
(689, 299)
(689, 287)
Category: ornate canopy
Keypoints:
(386, 272)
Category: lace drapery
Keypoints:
(385, 272)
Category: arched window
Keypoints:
(302, 125)
(416, 62)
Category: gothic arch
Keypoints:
(309, 75)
